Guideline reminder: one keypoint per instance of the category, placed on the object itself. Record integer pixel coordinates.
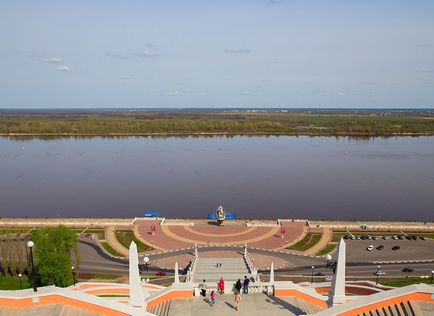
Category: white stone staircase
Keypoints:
(232, 269)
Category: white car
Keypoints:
(394, 237)
(379, 273)
(370, 248)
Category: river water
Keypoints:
(254, 177)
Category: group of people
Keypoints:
(244, 286)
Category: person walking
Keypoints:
(238, 287)
(203, 288)
(246, 285)
(221, 286)
(237, 300)
(213, 297)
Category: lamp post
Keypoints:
(432, 275)
(311, 275)
(20, 276)
(378, 274)
(328, 258)
(146, 262)
(30, 244)
(73, 275)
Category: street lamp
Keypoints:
(311, 276)
(432, 275)
(328, 258)
(20, 276)
(73, 275)
(378, 274)
(146, 262)
(30, 244)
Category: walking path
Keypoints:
(182, 235)
(110, 237)
(326, 237)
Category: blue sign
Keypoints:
(152, 214)
(227, 216)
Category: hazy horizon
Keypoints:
(225, 54)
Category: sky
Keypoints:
(226, 53)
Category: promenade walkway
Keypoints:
(176, 236)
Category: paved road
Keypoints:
(94, 260)
(392, 270)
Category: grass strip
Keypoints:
(307, 242)
(326, 249)
(126, 236)
(110, 250)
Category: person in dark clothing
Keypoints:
(246, 285)
(238, 286)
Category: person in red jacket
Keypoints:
(221, 286)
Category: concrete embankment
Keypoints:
(105, 222)
(68, 222)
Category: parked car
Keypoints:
(345, 237)
(408, 237)
(381, 247)
(395, 237)
(370, 248)
(396, 247)
(358, 237)
(352, 237)
(400, 237)
(379, 273)
(385, 237)
(407, 270)
(422, 237)
(375, 237)
(414, 237)
(319, 274)
(161, 273)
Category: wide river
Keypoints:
(254, 177)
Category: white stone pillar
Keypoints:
(337, 291)
(136, 293)
(176, 273)
(272, 273)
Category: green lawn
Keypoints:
(110, 250)
(13, 283)
(326, 249)
(126, 236)
(307, 242)
(405, 282)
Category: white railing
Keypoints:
(192, 267)
(249, 263)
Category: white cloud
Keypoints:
(148, 53)
(117, 56)
(173, 92)
(63, 68)
(53, 60)
(237, 51)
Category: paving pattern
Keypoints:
(176, 236)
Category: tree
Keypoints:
(53, 248)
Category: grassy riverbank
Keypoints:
(220, 123)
